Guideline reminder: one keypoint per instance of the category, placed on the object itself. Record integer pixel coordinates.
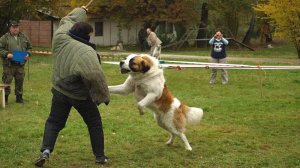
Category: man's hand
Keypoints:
(26, 57)
(218, 35)
(85, 8)
(10, 56)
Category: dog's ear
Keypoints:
(145, 66)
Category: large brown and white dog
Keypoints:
(147, 82)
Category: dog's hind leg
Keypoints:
(171, 140)
(186, 142)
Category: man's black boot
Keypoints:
(42, 159)
(6, 99)
(102, 160)
(19, 99)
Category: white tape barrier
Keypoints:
(111, 62)
(41, 52)
(217, 66)
(197, 63)
(181, 66)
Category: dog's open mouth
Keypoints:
(124, 71)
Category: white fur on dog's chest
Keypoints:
(140, 92)
(152, 84)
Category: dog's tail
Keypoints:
(194, 115)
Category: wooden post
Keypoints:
(2, 88)
(87, 5)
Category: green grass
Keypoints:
(245, 124)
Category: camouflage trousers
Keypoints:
(10, 72)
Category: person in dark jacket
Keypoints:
(15, 49)
(142, 35)
(218, 55)
(78, 81)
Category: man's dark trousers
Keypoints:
(60, 109)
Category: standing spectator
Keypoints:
(142, 35)
(78, 81)
(266, 33)
(154, 42)
(218, 55)
(11, 43)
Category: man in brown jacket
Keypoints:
(154, 42)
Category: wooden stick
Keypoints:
(87, 5)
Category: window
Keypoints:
(98, 28)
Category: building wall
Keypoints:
(111, 33)
(39, 32)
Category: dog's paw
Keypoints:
(169, 143)
(141, 110)
(189, 148)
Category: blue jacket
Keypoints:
(218, 47)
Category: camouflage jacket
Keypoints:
(8, 43)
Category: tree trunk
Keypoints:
(250, 31)
(232, 22)
(202, 32)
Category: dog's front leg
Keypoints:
(123, 89)
(120, 89)
(147, 100)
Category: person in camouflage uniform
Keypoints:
(14, 40)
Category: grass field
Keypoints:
(254, 121)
